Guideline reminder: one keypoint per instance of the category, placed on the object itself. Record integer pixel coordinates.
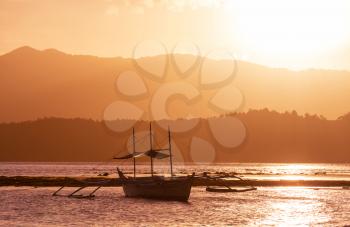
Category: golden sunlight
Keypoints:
(294, 28)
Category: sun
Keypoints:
(291, 28)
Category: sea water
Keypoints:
(268, 206)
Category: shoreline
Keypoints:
(198, 181)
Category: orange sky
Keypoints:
(294, 34)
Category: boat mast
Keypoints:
(134, 150)
(170, 153)
(150, 141)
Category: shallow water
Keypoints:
(263, 170)
(299, 206)
(27, 206)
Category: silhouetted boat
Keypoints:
(228, 189)
(155, 187)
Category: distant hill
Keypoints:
(35, 84)
(270, 137)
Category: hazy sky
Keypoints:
(294, 33)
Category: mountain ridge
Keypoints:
(52, 83)
(22, 49)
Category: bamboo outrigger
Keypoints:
(74, 194)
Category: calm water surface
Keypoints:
(288, 206)
(26, 206)
(249, 169)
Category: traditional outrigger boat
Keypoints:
(155, 187)
(176, 188)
